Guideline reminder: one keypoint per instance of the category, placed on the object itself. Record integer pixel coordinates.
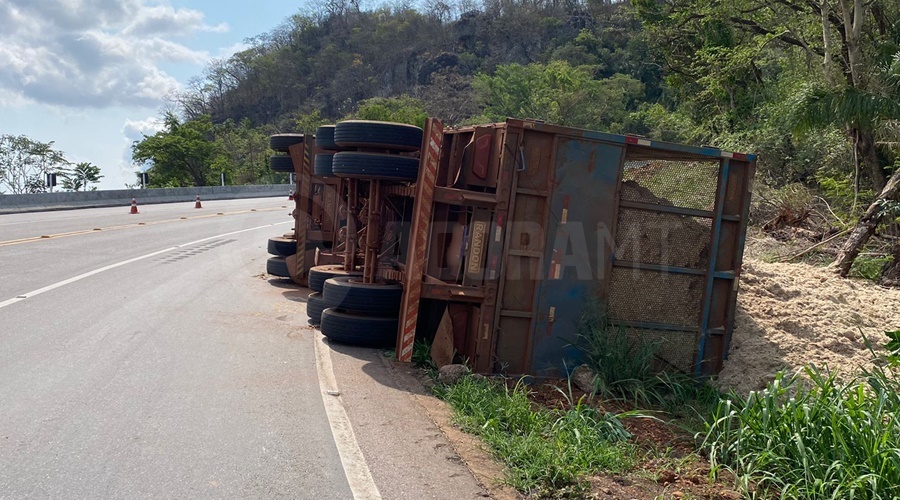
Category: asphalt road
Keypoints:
(149, 356)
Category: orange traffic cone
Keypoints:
(291, 196)
(197, 203)
(134, 209)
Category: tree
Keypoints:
(725, 57)
(403, 109)
(242, 152)
(558, 93)
(182, 154)
(25, 162)
(80, 176)
(883, 205)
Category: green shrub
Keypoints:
(403, 109)
(869, 268)
(815, 439)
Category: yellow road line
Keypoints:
(129, 226)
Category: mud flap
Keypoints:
(442, 347)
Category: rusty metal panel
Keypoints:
(529, 213)
(528, 224)
(536, 161)
(511, 345)
(582, 208)
(481, 158)
(301, 154)
(520, 281)
(419, 237)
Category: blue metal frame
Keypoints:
(711, 274)
(726, 275)
(630, 140)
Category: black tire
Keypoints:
(282, 142)
(325, 138)
(348, 294)
(322, 166)
(380, 135)
(282, 247)
(355, 165)
(359, 330)
(314, 307)
(281, 163)
(276, 266)
(318, 275)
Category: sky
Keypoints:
(92, 75)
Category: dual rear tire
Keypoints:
(352, 312)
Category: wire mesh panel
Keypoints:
(662, 254)
(674, 350)
(666, 239)
(679, 183)
(638, 295)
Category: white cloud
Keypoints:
(135, 130)
(165, 20)
(94, 53)
(10, 99)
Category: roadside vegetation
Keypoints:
(25, 163)
(810, 435)
(807, 435)
(547, 450)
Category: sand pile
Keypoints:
(790, 315)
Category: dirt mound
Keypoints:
(790, 315)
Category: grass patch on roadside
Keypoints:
(808, 435)
(813, 436)
(547, 452)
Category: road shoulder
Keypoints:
(405, 434)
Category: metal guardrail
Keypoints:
(21, 203)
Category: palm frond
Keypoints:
(817, 107)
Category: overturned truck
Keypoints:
(496, 238)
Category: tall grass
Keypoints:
(623, 365)
(812, 437)
(547, 452)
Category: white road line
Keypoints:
(358, 476)
(88, 274)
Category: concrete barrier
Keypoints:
(41, 202)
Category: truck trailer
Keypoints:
(494, 241)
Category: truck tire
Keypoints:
(276, 266)
(282, 247)
(378, 135)
(348, 294)
(325, 138)
(281, 163)
(355, 165)
(314, 307)
(359, 330)
(287, 245)
(318, 275)
(322, 166)
(282, 142)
